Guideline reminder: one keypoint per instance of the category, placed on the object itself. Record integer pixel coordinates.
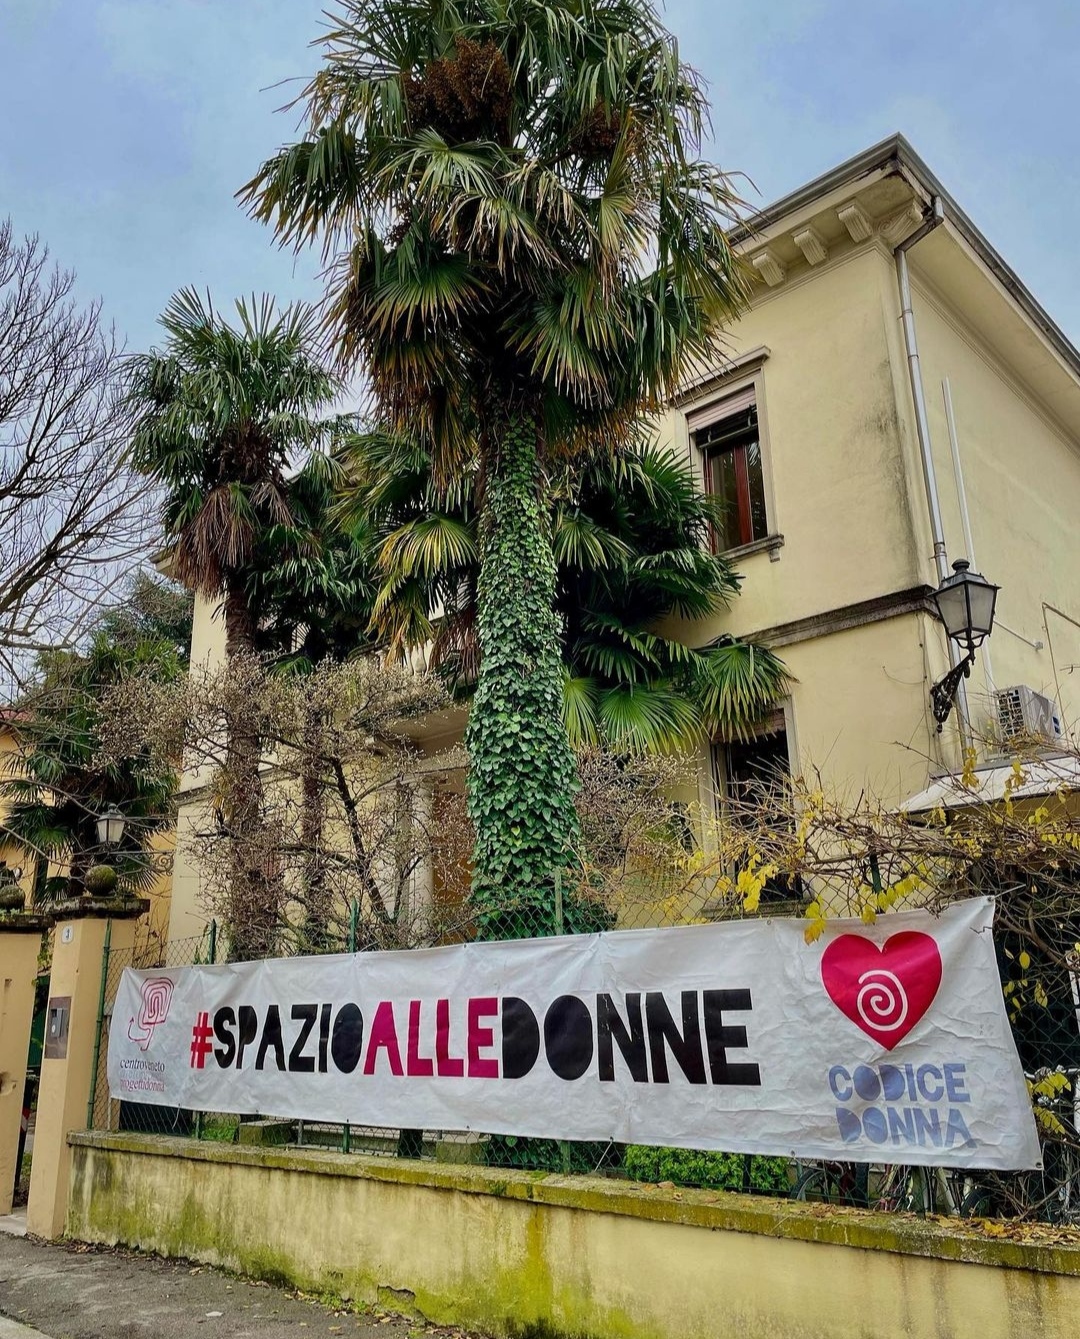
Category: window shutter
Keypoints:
(712, 413)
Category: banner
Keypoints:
(883, 1043)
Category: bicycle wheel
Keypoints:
(983, 1201)
(826, 1183)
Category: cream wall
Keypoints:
(860, 709)
(207, 632)
(844, 489)
(188, 917)
(836, 486)
(1021, 473)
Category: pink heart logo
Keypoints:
(884, 991)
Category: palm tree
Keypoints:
(57, 782)
(312, 578)
(525, 255)
(223, 411)
(631, 543)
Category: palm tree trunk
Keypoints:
(312, 822)
(522, 772)
(255, 896)
(239, 621)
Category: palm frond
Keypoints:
(737, 685)
(580, 710)
(648, 718)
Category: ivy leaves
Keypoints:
(522, 773)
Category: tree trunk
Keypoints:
(254, 900)
(522, 772)
(317, 897)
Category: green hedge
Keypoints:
(552, 1155)
(711, 1171)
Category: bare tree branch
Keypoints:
(74, 518)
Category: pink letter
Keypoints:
(449, 1066)
(383, 1036)
(415, 1063)
(480, 1038)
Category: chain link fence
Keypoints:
(1042, 997)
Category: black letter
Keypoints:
(249, 1027)
(520, 1038)
(631, 1044)
(568, 1037)
(685, 1048)
(324, 1036)
(298, 1062)
(718, 1037)
(271, 1037)
(224, 1021)
(348, 1038)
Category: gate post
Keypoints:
(20, 945)
(75, 985)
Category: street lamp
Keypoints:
(965, 605)
(110, 827)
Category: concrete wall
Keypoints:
(521, 1255)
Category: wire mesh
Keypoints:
(1042, 998)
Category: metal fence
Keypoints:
(1041, 985)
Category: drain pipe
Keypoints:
(922, 430)
(922, 424)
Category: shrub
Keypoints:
(551, 1155)
(711, 1171)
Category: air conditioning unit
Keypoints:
(1022, 713)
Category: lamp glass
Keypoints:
(110, 827)
(965, 604)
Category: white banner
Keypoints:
(884, 1043)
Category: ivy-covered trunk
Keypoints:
(522, 772)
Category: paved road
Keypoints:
(73, 1292)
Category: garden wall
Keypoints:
(538, 1256)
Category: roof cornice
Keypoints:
(896, 156)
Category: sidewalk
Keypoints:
(80, 1292)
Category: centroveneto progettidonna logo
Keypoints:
(154, 1001)
(885, 990)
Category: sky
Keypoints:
(126, 126)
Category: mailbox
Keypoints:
(56, 1027)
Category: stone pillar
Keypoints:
(67, 1069)
(20, 945)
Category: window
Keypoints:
(751, 773)
(754, 771)
(727, 435)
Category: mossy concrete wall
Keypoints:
(520, 1254)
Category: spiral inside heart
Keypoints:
(883, 990)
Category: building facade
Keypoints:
(845, 504)
(808, 428)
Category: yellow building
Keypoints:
(861, 453)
